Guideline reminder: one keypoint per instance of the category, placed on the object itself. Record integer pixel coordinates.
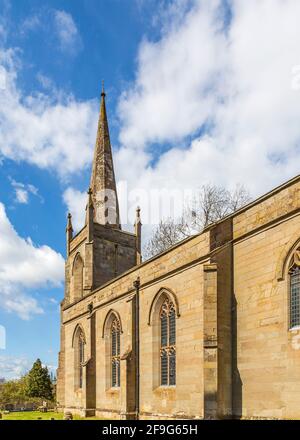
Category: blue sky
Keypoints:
(102, 46)
(194, 96)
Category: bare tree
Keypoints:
(239, 197)
(208, 206)
(166, 234)
(211, 204)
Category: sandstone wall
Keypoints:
(181, 274)
(266, 352)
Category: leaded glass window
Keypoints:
(81, 344)
(115, 353)
(167, 343)
(295, 296)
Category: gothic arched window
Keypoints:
(77, 278)
(167, 343)
(79, 345)
(294, 296)
(115, 352)
(81, 358)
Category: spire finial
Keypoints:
(90, 200)
(138, 216)
(138, 233)
(103, 91)
(69, 222)
(138, 212)
(89, 219)
(69, 232)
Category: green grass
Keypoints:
(34, 415)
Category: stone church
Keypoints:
(209, 328)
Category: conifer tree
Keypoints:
(39, 382)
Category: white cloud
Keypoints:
(21, 195)
(31, 23)
(67, 31)
(76, 202)
(14, 367)
(208, 72)
(46, 82)
(232, 80)
(177, 86)
(22, 191)
(24, 266)
(236, 81)
(53, 132)
(59, 24)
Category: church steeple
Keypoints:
(103, 183)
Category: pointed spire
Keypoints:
(103, 183)
(69, 233)
(69, 223)
(90, 215)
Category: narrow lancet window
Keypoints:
(295, 296)
(79, 352)
(168, 343)
(81, 358)
(115, 353)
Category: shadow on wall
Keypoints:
(237, 384)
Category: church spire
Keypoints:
(103, 183)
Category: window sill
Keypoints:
(295, 328)
(165, 389)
